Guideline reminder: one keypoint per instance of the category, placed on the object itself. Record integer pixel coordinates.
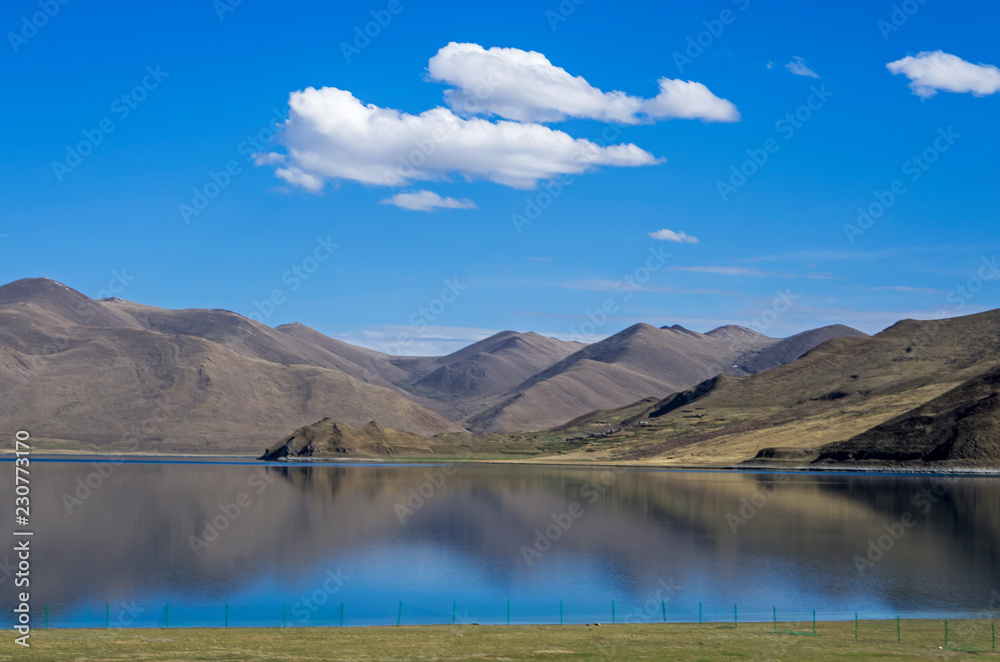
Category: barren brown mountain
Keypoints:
(123, 376)
(834, 393)
(638, 362)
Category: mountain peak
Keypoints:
(730, 331)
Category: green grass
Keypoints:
(921, 640)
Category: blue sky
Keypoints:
(205, 83)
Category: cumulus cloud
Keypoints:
(931, 71)
(670, 235)
(798, 67)
(525, 86)
(427, 201)
(330, 134)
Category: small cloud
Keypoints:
(798, 67)
(932, 71)
(670, 235)
(427, 201)
(907, 289)
(604, 285)
(727, 271)
(770, 64)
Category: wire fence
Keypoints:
(968, 633)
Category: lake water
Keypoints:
(381, 544)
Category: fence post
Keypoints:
(699, 614)
(663, 603)
(736, 619)
(227, 616)
(774, 613)
(814, 622)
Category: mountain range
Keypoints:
(116, 375)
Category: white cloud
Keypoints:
(330, 134)
(906, 288)
(727, 271)
(798, 67)
(688, 100)
(427, 201)
(670, 235)
(525, 86)
(932, 71)
(605, 285)
(426, 341)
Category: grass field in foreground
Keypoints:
(921, 639)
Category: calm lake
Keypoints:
(256, 544)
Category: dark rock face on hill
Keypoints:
(960, 427)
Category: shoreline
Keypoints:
(135, 456)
